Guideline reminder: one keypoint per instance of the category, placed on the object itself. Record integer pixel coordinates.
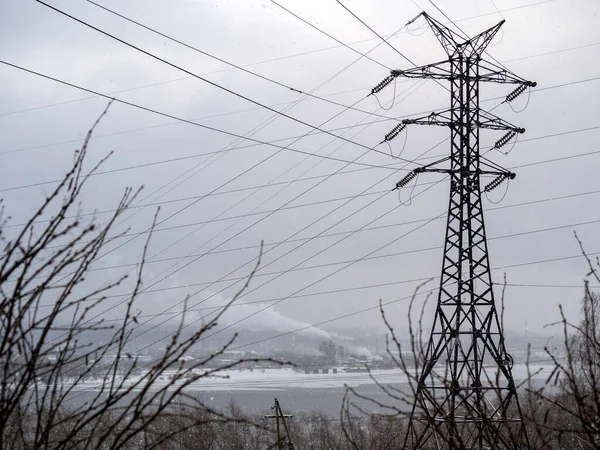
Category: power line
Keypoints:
(324, 235)
(319, 202)
(562, 133)
(286, 297)
(361, 311)
(295, 55)
(251, 226)
(253, 131)
(327, 276)
(397, 301)
(319, 293)
(180, 119)
(231, 207)
(236, 66)
(327, 34)
(278, 83)
(154, 111)
(199, 77)
(155, 326)
(258, 127)
(368, 166)
(271, 120)
(318, 266)
(553, 52)
(387, 255)
(261, 219)
(271, 262)
(538, 89)
(375, 33)
(384, 40)
(385, 166)
(563, 158)
(497, 10)
(551, 286)
(200, 256)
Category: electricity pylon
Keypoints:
(466, 395)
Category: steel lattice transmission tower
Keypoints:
(466, 396)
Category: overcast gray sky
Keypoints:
(41, 122)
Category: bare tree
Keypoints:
(396, 405)
(48, 354)
(565, 411)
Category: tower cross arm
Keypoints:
(493, 73)
(453, 44)
(442, 118)
(491, 122)
(436, 71)
(485, 120)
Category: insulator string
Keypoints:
(486, 192)
(401, 150)
(513, 145)
(382, 84)
(394, 132)
(495, 183)
(526, 104)
(515, 93)
(415, 175)
(393, 98)
(404, 181)
(505, 140)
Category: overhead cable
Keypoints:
(212, 83)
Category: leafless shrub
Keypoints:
(565, 412)
(58, 388)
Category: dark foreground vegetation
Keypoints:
(48, 314)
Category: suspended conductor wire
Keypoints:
(236, 66)
(385, 41)
(496, 42)
(487, 196)
(330, 119)
(199, 256)
(424, 27)
(526, 104)
(199, 77)
(410, 195)
(180, 119)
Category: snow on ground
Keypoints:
(282, 378)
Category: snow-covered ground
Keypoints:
(278, 379)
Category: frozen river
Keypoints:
(298, 392)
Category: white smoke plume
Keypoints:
(250, 316)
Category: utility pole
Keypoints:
(279, 415)
(466, 395)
